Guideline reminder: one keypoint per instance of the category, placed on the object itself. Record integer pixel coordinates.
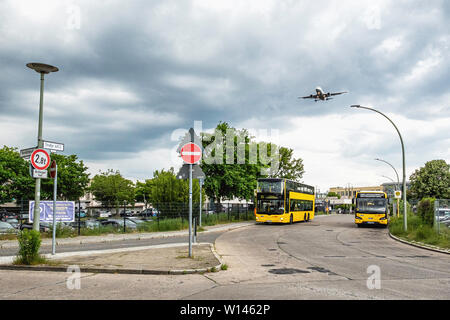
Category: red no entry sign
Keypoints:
(40, 159)
(191, 153)
(53, 169)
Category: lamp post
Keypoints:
(42, 69)
(398, 180)
(405, 221)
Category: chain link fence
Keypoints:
(441, 214)
(156, 217)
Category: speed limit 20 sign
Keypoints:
(40, 159)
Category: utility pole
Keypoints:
(42, 69)
(405, 217)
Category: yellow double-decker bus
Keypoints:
(283, 200)
(371, 208)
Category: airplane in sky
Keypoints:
(320, 95)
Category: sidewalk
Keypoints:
(155, 259)
(4, 244)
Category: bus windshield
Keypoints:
(371, 205)
(270, 206)
(270, 186)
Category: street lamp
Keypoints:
(398, 180)
(42, 69)
(405, 221)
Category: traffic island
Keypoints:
(160, 259)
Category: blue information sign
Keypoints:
(65, 211)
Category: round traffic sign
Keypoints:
(40, 159)
(191, 153)
(53, 169)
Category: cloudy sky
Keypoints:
(133, 75)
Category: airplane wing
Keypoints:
(311, 96)
(336, 93)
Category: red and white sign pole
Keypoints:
(191, 154)
(54, 175)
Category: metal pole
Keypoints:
(37, 190)
(124, 214)
(398, 180)
(200, 181)
(405, 218)
(195, 230)
(79, 217)
(54, 210)
(190, 210)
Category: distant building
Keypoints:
(350, 192)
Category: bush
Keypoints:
(425, 210)
(29, 244)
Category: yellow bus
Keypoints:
(284, 201)
(371, 208)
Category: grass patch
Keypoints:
(8, 236)
(37, 260)
(224, 266)
(420, 232)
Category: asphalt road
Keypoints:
(328, 258)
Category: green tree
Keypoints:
(432, 180)
(143, 191)
(73, 179)
(333, 194)
(289, 167)
(15, 180)
(111, 189)
(167, 188)
(231, 174)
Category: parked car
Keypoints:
(90, 224)
(82, 214)
(118, 223)
(7, 215)
(127, 213)
(443, 215)
(103, 214)
(149, 212)
(14, 222)
(43, 226)
(138, 221)
(5, 227)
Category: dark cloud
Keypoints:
(176, 62)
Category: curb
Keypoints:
(122, 271)
(141, 236)
(419, 245)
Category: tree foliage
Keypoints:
(167, 188)
(143, 191)
(73, 179)
(111, 189)
(289, 167)
(432, 180)
(239, 161)
(226, 177)
(15, 179)
(16, 182)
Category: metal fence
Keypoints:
(165, 215)
(441, 214)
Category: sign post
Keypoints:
(54, 175)
(398, 195)
(40, 160)
(191, 153)
(200, 182)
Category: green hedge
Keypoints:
(425, 210)
(29, 244)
